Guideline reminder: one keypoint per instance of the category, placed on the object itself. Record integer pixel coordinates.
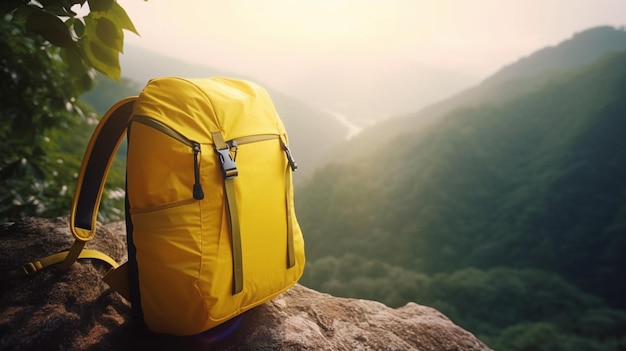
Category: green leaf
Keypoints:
(101, 57)
(100, 47)
(100, 5)
(75, 64)
(79, 27)
(50, 28)
(109, 34)
(119, 16)
(70, 22)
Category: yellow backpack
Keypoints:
(211, 225)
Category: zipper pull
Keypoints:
(198, 193)
(290, 159)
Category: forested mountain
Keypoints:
(497, 197)
(523, 76)
(581, 49)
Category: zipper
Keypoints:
(234, 144)
(197, 191)
(252, 139)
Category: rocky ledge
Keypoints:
(75, 310)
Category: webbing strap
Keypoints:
(235, 236)
(291, 257)
(73, 253)
(291, 167)
(233, 218)
(35, 266)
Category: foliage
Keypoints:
(46, 65)
(34, 98)
(94, 40)
(509, 309)
(355, 276)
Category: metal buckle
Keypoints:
(30, 268)
(229, 168)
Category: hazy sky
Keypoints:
(278, 40)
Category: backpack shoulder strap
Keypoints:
(89, 186)
(93, 172)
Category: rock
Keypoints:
(75, 310)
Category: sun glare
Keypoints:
(249, 35)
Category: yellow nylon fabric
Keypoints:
(200, 106)
(184, 254)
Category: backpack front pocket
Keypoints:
(163, 166)
(169, 251)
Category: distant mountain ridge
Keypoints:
(529, 73)
(583, 48)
